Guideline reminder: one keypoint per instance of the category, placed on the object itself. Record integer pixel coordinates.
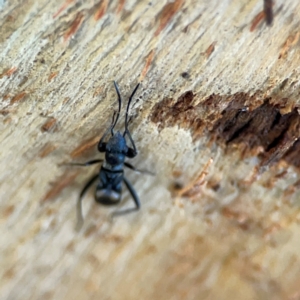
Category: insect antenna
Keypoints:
(128, 105)
(126, 116)
(126, 119)
(114, 122)
(111, 128)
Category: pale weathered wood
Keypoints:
(58, 60)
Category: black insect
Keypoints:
(111, 174)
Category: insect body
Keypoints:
(111, 174)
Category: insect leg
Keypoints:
(88, 163)
(135, 199)
(130, 166)
(79, 206)
(133, 193)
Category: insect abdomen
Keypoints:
(107, 196)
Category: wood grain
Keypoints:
(207, 68)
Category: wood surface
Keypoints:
(216, 118)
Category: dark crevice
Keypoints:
(239, 131)
(248, 122)
(275, 142)
(276, 120)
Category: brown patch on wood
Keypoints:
(46, 150)
(53, 224)
(10, 18)
(193, 189)
(50, 125)
(7, 120)
(18, 98)
(52, 75)
(176, 173)
(271, 230)
(92, 229)
(210, 49)
(62, 8)
(9, 72)
(270, 182)
(66, 100)
(74, 26)
(50, 211)
(214, 184)
(168, 11)
(186, 28)
(91, 285)
(9, 273)
(233, 214)
(281, 174)
(5, 112)
(24, 80)
(101, 10)
(241, 219)
(98, 91)
(7, 211)
(7, 96)
(149, 60)
(291, 41)
(292, 188)
(114, 238)
(120, 6)
(57, 187)
(70, 247)
(86, 145)
(257, 20)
